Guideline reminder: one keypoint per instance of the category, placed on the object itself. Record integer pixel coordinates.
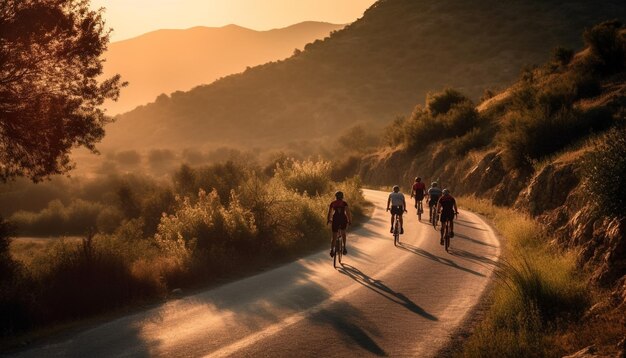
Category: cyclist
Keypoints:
(339, 215)
(434, 193)
(419, 188)
(447, 206)
(398, 206)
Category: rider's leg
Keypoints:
(401, 226)
(392, 218)
(343, 234)
(451, 227)
(332, 243)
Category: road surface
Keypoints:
(385, 301)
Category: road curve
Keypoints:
(384, 301)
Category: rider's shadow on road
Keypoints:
(441, 260)
(384, 290)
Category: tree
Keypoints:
(50, 89)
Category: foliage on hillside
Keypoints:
(375, 68)
(548, 110)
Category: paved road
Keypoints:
(385, 301)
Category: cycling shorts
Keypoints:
(446, 216)
(433, 200)
(339, 222)
(419, 196)
(397, 210)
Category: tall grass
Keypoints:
(536, 289)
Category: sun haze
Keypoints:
(132, 18)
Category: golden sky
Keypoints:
(130, 18)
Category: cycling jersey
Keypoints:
(340, 219)
(419, 188)
(447, 203)
(397, 199)
(434, 194)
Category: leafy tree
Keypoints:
(50, 88)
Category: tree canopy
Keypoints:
(50, 85)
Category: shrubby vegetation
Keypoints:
(447, 114)
(605, 170)
(145, 237)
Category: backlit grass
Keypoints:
(538, 291)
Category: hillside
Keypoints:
(376, 68)
(552, 146)
(164, 61)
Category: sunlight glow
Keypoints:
(132, 18)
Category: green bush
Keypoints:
(605, 170)
(562, 56)
(474, 139)
(442, 102)
(608, 45)
(544, 121)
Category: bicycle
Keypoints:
(433, 216)
(420, 210)
(396, 231)
(338, 248)
(446, 234)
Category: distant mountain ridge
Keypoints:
(164, 61)
(378, 67)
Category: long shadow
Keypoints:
(384, 290)
(456, 222)
(465, 237)
(441, 260)
(472, 257)
(345, 319)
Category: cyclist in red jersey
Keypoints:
(340, 217)
(447, 206)
(419, 188)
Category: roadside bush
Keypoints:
(562, 56)
(311, 177)
(605, 170)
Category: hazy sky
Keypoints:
(130, 18)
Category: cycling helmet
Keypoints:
(396, 188)
(446, 191)
(418, 179)
(434, 184)
(339, 195)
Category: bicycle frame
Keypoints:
(396, 231)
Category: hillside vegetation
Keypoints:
(374, 69)
(552, 146)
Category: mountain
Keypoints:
(378, 67)
(164, 61)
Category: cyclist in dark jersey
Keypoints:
(447, 206)
(339, 215)
(419, 188)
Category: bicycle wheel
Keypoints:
(446, 239)
(335, 255)
(419, 211)
(340, 249)
(396, 234)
